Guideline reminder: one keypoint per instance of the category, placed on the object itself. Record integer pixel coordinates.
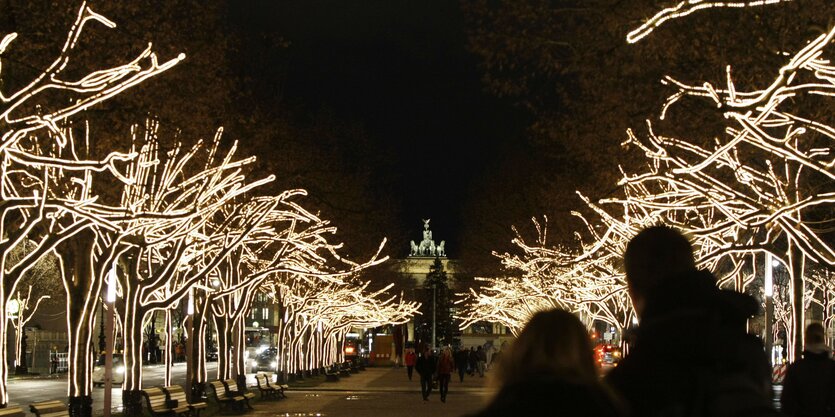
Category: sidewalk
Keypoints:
(379, 392)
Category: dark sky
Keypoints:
(401, 69)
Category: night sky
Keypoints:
(401, 69)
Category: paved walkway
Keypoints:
(378, 392)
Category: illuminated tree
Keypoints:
(39, 285)
(767, 182)
(512, 300)
(317, 314)
(287, 251)
(762, 187)
(169, 201)
(46, 192)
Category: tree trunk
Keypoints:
(224, 348)
(239, 351)
(796, 286)
(83, 289)
(132, 344)
(132, 402)
(199, 350)
(4, 361)
(80, 405)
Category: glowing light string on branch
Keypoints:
(687, 7)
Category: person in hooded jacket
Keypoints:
(692, 355)
(809, 386)
(550, 371)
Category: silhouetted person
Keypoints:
(809, 387)
(692, 355)
(481, 360)
(425, 367)
(550, 371)
(472, 360)
(460, 357)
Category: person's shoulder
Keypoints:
(550, 396)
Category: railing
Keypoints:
(58, 362)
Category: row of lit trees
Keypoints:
(762, 190)
(161, 226)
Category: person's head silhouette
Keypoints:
(554, 342)
(652, 256)
(815, 339)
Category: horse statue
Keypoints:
(414, 248)
(423, 248)
(439, 250)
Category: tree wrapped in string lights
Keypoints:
(317, 315)
(46, 194)
(169, 200)
(764, 187)
(767, 184)
(289, 242)
(512, 300)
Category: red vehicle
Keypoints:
(607, 355)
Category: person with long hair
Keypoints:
(445, 368)
(550, 370)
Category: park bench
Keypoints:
(160, 405)
(53, 408)
(177, 393)
(232, 387)
(225, 398)
(264, 387)
(280, 388)
(12, 412)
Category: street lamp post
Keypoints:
(434, 315)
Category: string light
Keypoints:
(685, 8)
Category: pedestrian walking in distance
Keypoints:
(445, 367)
(809, 386)
(425, 367)
(692, 355)
(410, 360)
(460, 357)
(550, 371)
(472, 361)
(481, 360)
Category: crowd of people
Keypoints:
(550, 369)
(439, 368)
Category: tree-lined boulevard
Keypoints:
(136, 227)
